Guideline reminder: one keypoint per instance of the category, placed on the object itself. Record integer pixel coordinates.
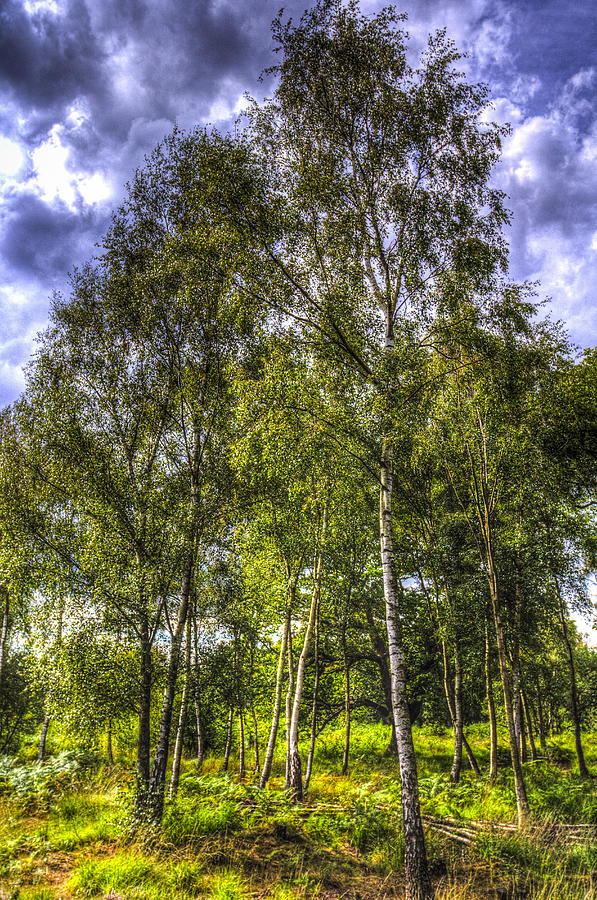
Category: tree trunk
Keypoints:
(493, 742)
(582, 766)
(311, 754)
(269, 753)
(5, 628)
(346, 714)
(527, 714)
(182, 715)
(241, 745)
(158, 774)
(228, 747)
(522, 803)
(42, 741)
(197, 694)
(418, 882)
(144, 737)
(295, 767)
(199, 730)
(255, 737)
(450, 692)
(542, 741)
(518, 720)
(517, 709)
(289, 696)
(458, 723)
(451, 701)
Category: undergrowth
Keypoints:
(66, 832)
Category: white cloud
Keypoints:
(548, 171)
(23, 313)
(12, 379)
(11, 157)
(40, 6)
(229, 105)
(54, 175)
(490, 43)
(50, 161)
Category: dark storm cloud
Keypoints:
(134, 69)
(42, 241)
(47, 59)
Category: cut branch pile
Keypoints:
(466, 831)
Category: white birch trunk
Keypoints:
(418, 883)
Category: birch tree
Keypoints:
(383, 173)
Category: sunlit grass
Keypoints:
(224, 839)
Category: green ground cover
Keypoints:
(66, 829)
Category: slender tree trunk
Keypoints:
(182, 715)
(518, 720)
(451, 701)
(582, 766)
(42, 741)
(158, 774)
(449, 691)
(523, 734)
(199, 730)
(347, 709)
(109, 753)
(311, 753)
(228, 748)
(527, 714)
(197, 692)
(522, 802)
(4, 593)
(295, 775)
(289, 697)
(269, 753)
(144, 737)
(242, 769)
(458, 723)
(418, 882)
(493, 741)
(257, 765)
(542, 740)
(46, 725)
(517, 709)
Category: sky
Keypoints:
(88, 87)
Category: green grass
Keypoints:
(65, 830)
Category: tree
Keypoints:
(380, 187)
(484, 423)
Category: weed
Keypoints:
(185, 876)
(228, 886)
(125, 870)
(185, 822)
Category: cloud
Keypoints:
(45, 241)
(548, 171)
(49, 54)
(88, 87)
(22, 312)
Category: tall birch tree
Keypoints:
(380, 173)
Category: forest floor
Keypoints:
(66, 832)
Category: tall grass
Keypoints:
(223, 839)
